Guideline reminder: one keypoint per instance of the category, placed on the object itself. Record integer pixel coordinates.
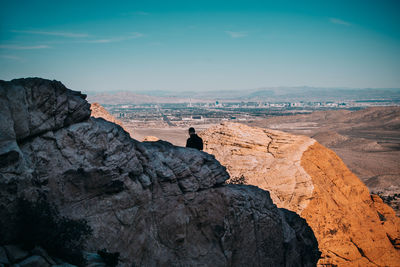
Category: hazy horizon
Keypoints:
(99, 46)
(138, 91)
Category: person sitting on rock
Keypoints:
(194, 141)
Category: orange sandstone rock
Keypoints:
(349, 227)
(353, 228)
(98, 111)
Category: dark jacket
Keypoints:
(195, 141)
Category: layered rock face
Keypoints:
(30, 107)
(352, 227)
(268, 159)
(156, 204)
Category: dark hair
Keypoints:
(191, 130)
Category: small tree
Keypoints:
(40, 224)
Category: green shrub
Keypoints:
(40, 224)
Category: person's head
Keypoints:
(192, 131)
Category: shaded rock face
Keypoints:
(352, 228)
(13, 255)
(35, 106)
(156, 204)
(30, 107)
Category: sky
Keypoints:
(202, 45)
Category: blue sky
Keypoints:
(202, 45)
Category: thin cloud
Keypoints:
(22, 47)
(56, 33)
(236, 34)
(101, 41)
(11, 57)
(339, 21)
(133, 35)
(135, 13)
(141, 13)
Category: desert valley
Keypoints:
(334, 209)
(366, 139)
(305, 177)
(59, 148)
(200, 133)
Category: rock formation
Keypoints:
(367, 140)
(353, 228)
(156, 204)
(98, 111)
(11, 255)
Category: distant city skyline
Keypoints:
(202, 45)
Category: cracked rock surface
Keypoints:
(156, 204)
(353, 228)
(266, 158)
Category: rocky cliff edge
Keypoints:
(156, 204)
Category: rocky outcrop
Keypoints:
(345, 217)
(156, 204)
(266, 158)
(34, 106)
(98, 111)
(352, 228)
(366, 140)
(30, 107)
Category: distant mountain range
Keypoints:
(291, 94)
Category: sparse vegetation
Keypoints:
(387, 198)
(237, 180)
(40, 224)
